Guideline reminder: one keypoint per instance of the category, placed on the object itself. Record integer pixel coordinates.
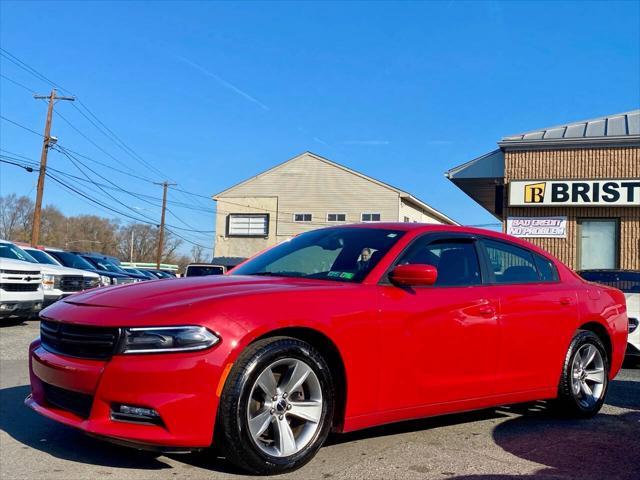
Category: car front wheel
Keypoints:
(277, 406)
(585, 376)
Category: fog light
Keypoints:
(37, 306)
(131, 413)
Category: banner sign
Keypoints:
(537, 227)
(558, 193)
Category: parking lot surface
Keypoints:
(520, 442)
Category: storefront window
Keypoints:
(598, 243)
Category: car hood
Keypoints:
(60, 270)
(186, 291)
(11, 264)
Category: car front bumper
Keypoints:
(22, 308)
(182, 387)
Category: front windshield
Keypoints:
(9, 250)
(627, 281)
(338, 254)
(72, 260)
(105, 265)
(43, 257)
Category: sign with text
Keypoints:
(537, 227)
(557, 193)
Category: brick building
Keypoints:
(572, 189)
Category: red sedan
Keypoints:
(337, 329)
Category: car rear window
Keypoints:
(202, 270)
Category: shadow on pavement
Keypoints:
(602, 447)
(35, 431)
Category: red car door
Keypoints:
(441, 341)
(537, 317)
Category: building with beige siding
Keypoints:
(305, 193)
(573, 189)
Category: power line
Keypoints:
(16, 61)
(20, 125)
(71, 158)
(30, 90)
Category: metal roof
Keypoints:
(617, 127)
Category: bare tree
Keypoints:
(15, 217)
(197, 254)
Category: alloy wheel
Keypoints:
(285, 407)
(588, 376)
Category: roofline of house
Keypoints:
(583, 142)
(401, 193)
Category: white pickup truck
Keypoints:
(20, 289)
(57, 281)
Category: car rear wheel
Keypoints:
(585, 376)
(277, 406)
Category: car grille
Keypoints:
(70, 283)
(91, 282)
(20, 287)
(20, 272)
(78, 340)
(78, 403)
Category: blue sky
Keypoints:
(212, 93)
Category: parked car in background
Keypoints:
(629, 282)
(138, 271)
(73, 260)
(204, 269)
(20, 289)
(57, 281)
(340, 329)
(103, 263)
(161, 273)
(69, 276)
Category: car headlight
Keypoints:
(105, 281)
(167, 339)
(49, 281)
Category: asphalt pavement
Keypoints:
(518, 442)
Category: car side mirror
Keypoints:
(417, 275)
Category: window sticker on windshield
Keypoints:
(392, 235)
(347, 275)
(333, 274)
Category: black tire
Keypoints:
(568, 403)
(232, 432)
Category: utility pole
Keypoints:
(165, 185)
(46, 143)
(131, 250)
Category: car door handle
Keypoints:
(565, 301)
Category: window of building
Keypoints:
(406, 220)
(511, 264)
(598, 243)
(336, 217)
(248, 225)
(302, 217)
(370, 217)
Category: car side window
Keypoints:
(456, 261)
(547, 270)
(511, 264)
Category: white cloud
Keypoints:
(222, 82)
(366, 142)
